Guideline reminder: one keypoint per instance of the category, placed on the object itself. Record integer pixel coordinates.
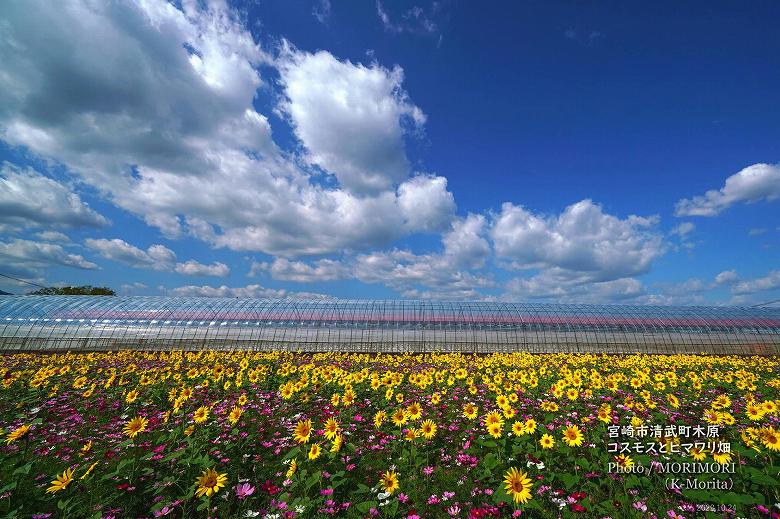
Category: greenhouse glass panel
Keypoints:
(51, 323)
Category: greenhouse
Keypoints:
(85, 323)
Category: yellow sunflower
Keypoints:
(572, 435)
(135, 426)
(494, 429)
(315, 451)
(331, 428)
(518, 485)
(201, 414)
(770, 438)
(292, 469)
(400, 416)
(61, 481)
(89, 471)
(624, 462)
(302, 432)
(414, 411)
(209, 483)
(235, 415)
(17, 433)
(428, 429)
(389, 481)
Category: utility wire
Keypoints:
(767, 303)
(23, 281)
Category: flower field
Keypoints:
(244, 434)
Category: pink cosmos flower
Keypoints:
(244, 490)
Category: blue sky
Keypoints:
(550, 151)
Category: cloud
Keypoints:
(415, 274)
(130, 289)
(757, 231)
(582, 244)
(414, 20)
(31, 199)
(727, 277)
(425, 203)
(465, 245)
(548, 286)
(28, 259)
(586, 38)
(349, 118)
(683, 230)
(444, 275)
(321, 11)
(156, 257)
(245, 291)
(301, 272)
(52, 236)
(752, 184)
(153, 106)
(750, 286)
(193, 268)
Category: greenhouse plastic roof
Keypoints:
(105, 322)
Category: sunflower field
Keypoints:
(282, 435)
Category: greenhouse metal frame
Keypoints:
(90, 323)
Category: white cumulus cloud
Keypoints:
(349, 117)
(31, 199)
(155, 257)
(153, 106)
(583, 242)
(28, 258)
(245, 291)
(752, 184)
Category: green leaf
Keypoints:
(365, 506)
(732, 498)
(569, 479)
(632, 481)
(490, 461)
(757, 476)
(9, 486)
(24, 469)
(500, 496)
(293, 453)
(313, 479)
(174, 455)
